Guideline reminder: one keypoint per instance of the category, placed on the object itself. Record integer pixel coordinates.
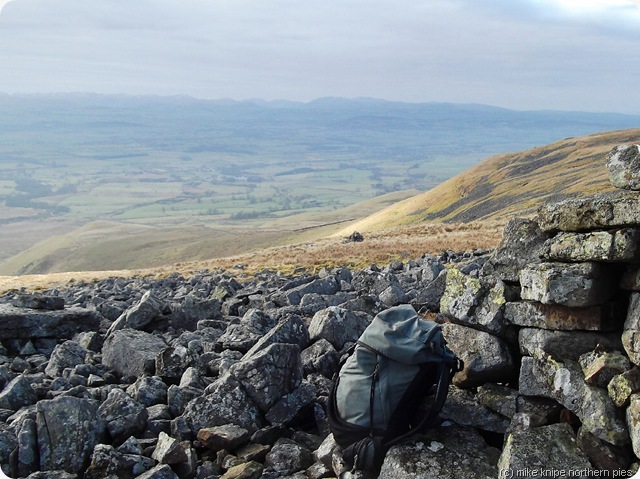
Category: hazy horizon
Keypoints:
(523, 55)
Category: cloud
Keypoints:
(515, 53)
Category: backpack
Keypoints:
(399, 360)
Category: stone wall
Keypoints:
(549, 332)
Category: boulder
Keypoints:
(289, 330)
(287, 457)
(622, 386)
(243, 335)
(321, 286)
(610, 246)
(131, 352)
(172, 362)
(557, 317)
(269, 374)
(486, 357)
(521, 245)
(543, 451)
(623, 164)
(169, 450)
(321, 357)
(599, 366)
(228, 437)
(541, 343)
(31, 323)
(337, 325)
(633, 422)
(601, 211)
(291, 405)
(17, 394)
(123, 416)
(65, 355)
(444, 452)
(564, 382)
(225, 403)
(137, 317)
(68, 429)
(465, 410)
(568, 284)
(38, 301)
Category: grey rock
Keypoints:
(227, 403)
(161, 471)
(29, 324)
(564, 382)
(137, 317)
(247, 470)
(633, 422)
(622, 386)
(321, 286)
(65, 355)
(568, 284)
(172, 362)
(242, 336)
(17, 394)
(601, 211)
(131, 352)
(68, 430)
(109, 462)
(289, 330)
(123, 415)
(610, 246)
(337, 325)
(228, 437)
(28, 456)
(563, 344)
(623, 164)
(465, 410)
(270, 373)
(148, 390)
(38, 301)
(288, 457)
(486, 357)
(521, 246)
(321, 357)
(445, 452)
(547, 449)
(599, 366)
(169, 450)
(289, 406)
(603, 317)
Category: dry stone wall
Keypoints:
(213, 377)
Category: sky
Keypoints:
(580, 55)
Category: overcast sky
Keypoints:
(522, 54)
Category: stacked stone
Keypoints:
(556, 352)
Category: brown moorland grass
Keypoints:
(380, 247)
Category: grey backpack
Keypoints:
(400, 362)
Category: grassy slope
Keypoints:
(110, 245)
(509, 185)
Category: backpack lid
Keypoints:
(400, 334)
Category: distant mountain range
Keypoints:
(360, 128)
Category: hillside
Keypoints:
(509, 185)
(464, 212)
